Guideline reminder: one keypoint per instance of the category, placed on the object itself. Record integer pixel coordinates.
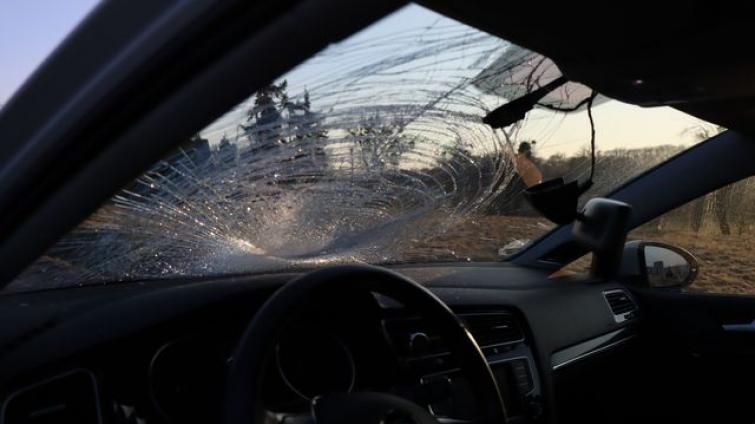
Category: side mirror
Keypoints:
(656, 264)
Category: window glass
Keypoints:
(373, 150)
(718, 230)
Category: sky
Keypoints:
(618, 125)
(29, 31)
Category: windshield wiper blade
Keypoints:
(513, 111)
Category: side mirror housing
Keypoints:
(655, 264)
(602, 227)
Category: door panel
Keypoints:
(696, 370)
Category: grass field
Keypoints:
(480, 238)
(726, 262)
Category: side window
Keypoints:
(718, 230)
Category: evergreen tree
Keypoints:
(275, 119)
(264, 119)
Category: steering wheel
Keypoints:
(243, 401)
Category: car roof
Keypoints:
(694, 56)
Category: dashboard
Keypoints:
(142, 353)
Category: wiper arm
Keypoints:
(515, 110)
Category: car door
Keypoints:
(699, 363)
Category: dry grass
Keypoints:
(726, 264)
(725, 261)
(479, 238)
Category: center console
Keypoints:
(444, 390)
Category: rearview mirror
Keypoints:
(658, 264)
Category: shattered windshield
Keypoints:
(372, 151)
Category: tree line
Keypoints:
(379, 144)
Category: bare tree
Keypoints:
(380, 142)
(721, 199)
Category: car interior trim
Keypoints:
(590, 347)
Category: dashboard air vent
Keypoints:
(413, 337)
(68, 398)
(622, 306)
(495, 328)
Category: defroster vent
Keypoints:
(621, 304)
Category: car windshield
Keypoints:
(372, 151)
